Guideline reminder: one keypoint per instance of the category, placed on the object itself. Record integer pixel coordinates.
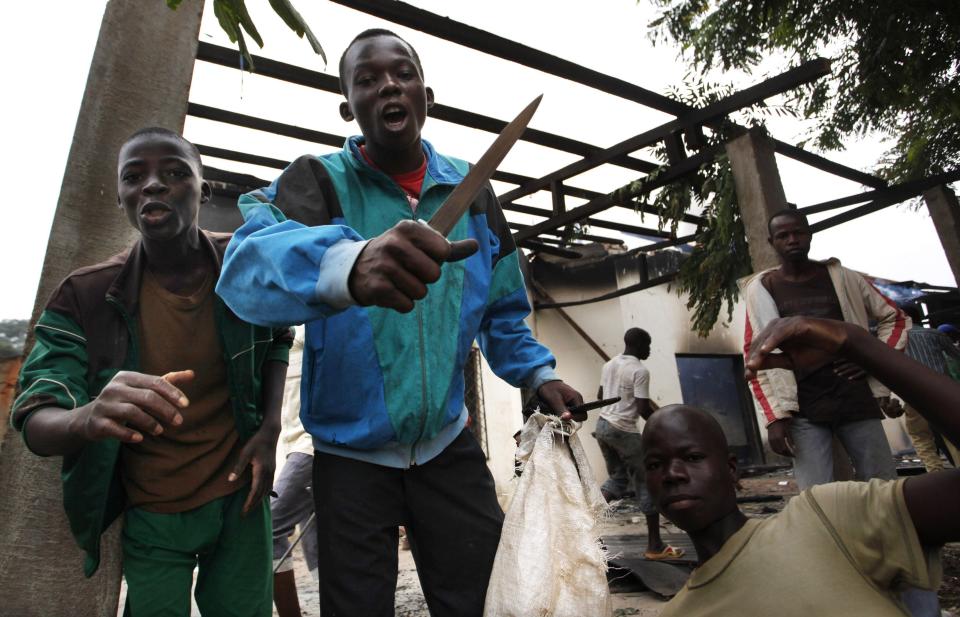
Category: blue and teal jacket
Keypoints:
(379, 385)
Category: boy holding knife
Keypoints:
(336, 242)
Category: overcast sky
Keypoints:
(47, 48)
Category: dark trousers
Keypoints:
(449, 507)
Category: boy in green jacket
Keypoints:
(164, 405)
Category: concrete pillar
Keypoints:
(945, 212)
(759, 191)
(140, 76)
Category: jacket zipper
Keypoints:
(423, 387)
(424, 409)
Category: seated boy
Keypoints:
(164, 405)
(383, 361)
(847, 548)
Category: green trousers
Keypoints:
(234, 555)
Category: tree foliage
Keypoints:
(235, 20)
(719, 256)
(896, 66)
(13, 332)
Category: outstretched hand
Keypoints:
(394, 269)
(806, 343)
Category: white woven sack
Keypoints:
(550, 562)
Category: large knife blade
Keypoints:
(464, 193)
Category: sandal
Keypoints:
(668, 552)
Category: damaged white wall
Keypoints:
(658, 310)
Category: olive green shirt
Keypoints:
(847, 548)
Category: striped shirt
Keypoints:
(928, 346)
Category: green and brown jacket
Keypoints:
(87, 334)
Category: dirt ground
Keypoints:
(950, 589)
(624, 520)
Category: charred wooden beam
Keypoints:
(604, 202)
(242, 157)
(556, 194)
(573, 324)
(887, 197)
(577, 237)
(897, 193)
(252, 122)
(224, 56)
(824, 164)
(483, 41)
(541, 247)
(660, 280)
(806, 72)
(625, 228)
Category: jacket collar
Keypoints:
(743, 282)
(125, 288)
(439, 169)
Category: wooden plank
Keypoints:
(660, 280)
(630, 229)
(556, 195)
(897, 193)
(224, 56)
(578, 237)
(824, 164)
(241, 157)
(606, 201)
(805, 73)
(542, 247)
(572, 323)
(483, 41)
(252, 122)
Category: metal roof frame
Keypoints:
(688, 120)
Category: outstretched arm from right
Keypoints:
(932, 499)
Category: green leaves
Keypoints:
(233, 15)
(292, 18)
(896, 66)
(235, 20)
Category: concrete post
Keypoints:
(140, 76)
(945, 212)
(759, 191)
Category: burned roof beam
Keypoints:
(488, 43)
(584, 237)
(534, 245)
(824, 164)
(291, 73)
(242, 157)
(541, 138)
(252, 122)
(660, 280)
(500, 47)
(263, 161)
(897, 192)
(629, 229)
(805, 73)
(605, 202)
(288, 130)
(573, 191)
(887, 197)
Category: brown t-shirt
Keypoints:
(186, 466)
(823, 396)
